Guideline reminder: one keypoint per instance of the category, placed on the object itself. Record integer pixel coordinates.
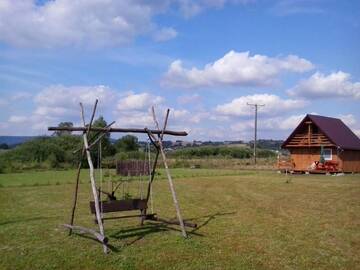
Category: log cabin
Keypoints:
(328, 137)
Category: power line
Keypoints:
(256, 105)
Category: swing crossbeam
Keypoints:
(119, 130)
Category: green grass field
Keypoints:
(247, 220)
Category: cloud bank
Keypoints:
(335, 85)
(273, 105)
(235, 68)
(91, 23)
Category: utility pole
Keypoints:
(256, 105)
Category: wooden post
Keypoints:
(152, 174)
(309, 133)
(76, 192)
(101, 238)
(255, 126)
(92, 179)
(79, 170)
(171, 184)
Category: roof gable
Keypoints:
(335, 129)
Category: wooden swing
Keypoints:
(98, 206)
(126, 168)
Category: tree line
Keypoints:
(220, 152)
(57, 151)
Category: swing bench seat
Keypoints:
(120, 205)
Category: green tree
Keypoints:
(127, 143)
(64, 132)
(4, 146)
(106, 147)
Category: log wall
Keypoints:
(350, 161)
(303, 157)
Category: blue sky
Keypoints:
(204, 59)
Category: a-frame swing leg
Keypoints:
(78, 180)
(92, 178)
(152, 175)
(76, 193)
(171, 184)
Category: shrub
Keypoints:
(212, 151)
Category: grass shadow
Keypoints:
(82, 235)
(137, 233)
(209, 218)
(21, 220)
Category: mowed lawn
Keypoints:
(247, 220)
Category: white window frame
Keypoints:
(327, 156)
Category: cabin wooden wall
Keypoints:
(350, 161)
(303, 157)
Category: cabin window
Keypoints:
(327, 154)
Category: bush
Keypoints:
(41, 153)
(212, 151)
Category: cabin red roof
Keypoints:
(335, 129)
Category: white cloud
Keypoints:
(351, 122)
(21, 96)
(291, 7)
(90, 23)
(319, 85)
(185, 116)
(135, 119)
(348, 119)
(142, 101)
(59, 103)
(235, 68)
(273, 105)
(66, 22)
(4, 129)
(17, 119)
(165, 34)
(282, 123)
(190, 8)
(187, 99)
(3, 102)
(63, 100)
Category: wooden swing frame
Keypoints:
(98, 207)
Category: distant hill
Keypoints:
(14, 140)
(267, 144)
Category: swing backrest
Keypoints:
(132, 167)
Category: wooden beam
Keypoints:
(76, 191)
(120, 130)
(101, 238)
(171, 184)
(306, 145)
(92, 179)
(79, 167)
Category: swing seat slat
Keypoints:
(120, 205)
